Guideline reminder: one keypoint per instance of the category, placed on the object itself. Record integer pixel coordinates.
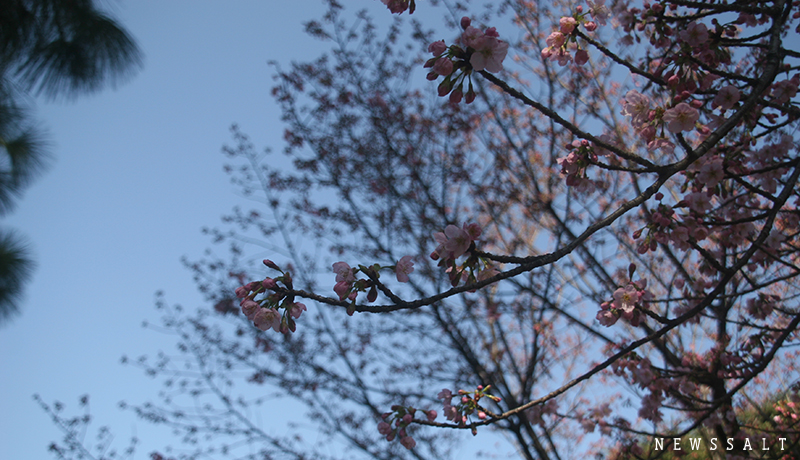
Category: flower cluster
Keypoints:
(478, 51)
(468, 404)
(677, 117)
(629, 301)
(401, 417)
(788, 412)
(581, 155)
(348, 287)
(263, 307)
(561, 41)
(455, 242)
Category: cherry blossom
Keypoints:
(682, 117)
(726, 98)
(489, 54)
(267, 318)
(695, 34)
(405, 266)
(626, 298)
(567, 25)
(599, 11)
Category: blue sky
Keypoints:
(137, 172)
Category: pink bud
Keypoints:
(465, 22)
(437, 48)
(443, 66)
(444, 88)
(581, 57)
(590, 26)
(269, 283)
(469, 97)
(456, 95)
(271, 264)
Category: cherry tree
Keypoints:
(570, 224)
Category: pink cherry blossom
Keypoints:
(455, 241)
(695, 34)
(445, 395)
(599, 11)
(682, 117)
(267, 318)
(626, 298)
(726, 98)
(567, 25)
(556, 40)
(250, 308)
(471, 35)
(473, 231)
(563, 57)
(297, 309)
(783, 91)
(343, 272)
(489, 54)
(404, 267)
(711, 172)
(637, 106)
(342, 288)
(450, 412)
(607, 317)
(458, 241)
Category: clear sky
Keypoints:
(137, 172)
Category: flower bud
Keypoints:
(444, 88)
(465, 22)
(456, 95)
(271, 264)
(470, 96)
(437, 48)
(269, 283)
